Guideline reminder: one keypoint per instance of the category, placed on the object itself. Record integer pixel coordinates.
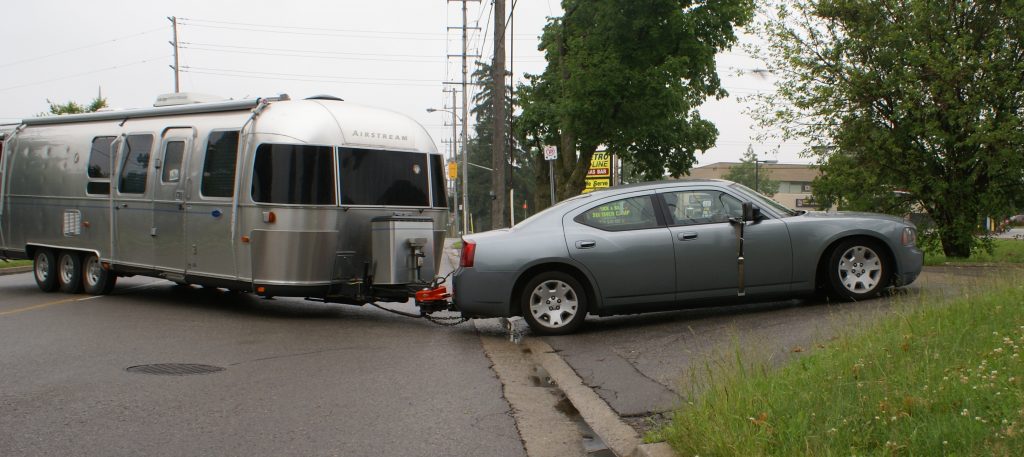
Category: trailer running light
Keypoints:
(261, 290)
(245, 238)
(468, 254)
(269, 217)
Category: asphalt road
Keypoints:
(303, 378)
(298, 378)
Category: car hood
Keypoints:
(853, 215)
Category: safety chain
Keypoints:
(446, 321)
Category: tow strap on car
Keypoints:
(739, 224)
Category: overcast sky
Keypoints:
(386, 53)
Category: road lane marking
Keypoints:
(67, 300)
(44, 305)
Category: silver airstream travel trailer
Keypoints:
(312, 198)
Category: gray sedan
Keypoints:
(673, 245)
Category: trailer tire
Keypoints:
(96, 279)
(44, 268)
(69, 272)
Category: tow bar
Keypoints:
(431, 300)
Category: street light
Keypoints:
(462, 174)
(757, 163)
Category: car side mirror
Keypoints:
(751, 212)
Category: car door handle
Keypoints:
(585, 244)
(687, 236)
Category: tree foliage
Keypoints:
(72, 107)
(750, 174)
(916, 103)
(480, 151)
(629, 75)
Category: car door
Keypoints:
(624, 244)
(706, 244)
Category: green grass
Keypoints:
(929, 380)
(1003, 251)
(14, 263)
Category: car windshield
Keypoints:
(764, 201)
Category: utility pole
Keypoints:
(463, 173)
(174, 29)
(498, 142)
(455, 157)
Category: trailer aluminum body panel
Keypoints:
(275, 196)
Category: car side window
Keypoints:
(694, 207)
(634, 213)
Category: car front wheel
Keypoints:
(554, 303)
(858, 269)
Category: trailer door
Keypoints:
(133, 203)
(209, 201)
(169, 201)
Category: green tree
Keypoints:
(750, 174)
(480, 190)
(919, 98)
(72, 107)
(629, 75)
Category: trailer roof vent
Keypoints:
(324, 97)
(185, 98)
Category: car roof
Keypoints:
(659, 184)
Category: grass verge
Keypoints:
(14, 263)
(929, 380)
(1003, 251)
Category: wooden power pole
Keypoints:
(498, 217)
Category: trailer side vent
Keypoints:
(72, 222)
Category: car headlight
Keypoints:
(909, 236)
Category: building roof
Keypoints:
(789, 172)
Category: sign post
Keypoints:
(550, 154)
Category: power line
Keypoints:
(329, 34)
(115, 67)
(308, 78)
(66, 51)
(341, 56)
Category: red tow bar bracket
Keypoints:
(440, 293)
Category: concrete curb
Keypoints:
(621, 438)
(15, 270)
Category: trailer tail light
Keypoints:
(468, 254)
(269, 217)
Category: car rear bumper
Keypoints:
(482, 294)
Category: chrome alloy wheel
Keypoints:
(93, 271)
(553, 303)
(42, 267)
(860, 269)
(66, 269)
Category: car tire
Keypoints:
(553, 303)
(858, 269)
(95, 279)
(69, 272)
(44, 268)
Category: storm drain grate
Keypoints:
(174, 369)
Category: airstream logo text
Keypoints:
(379, 135)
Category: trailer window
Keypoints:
(219, 164)
(135, 166)
(371, 177)
(173, 153)
(99, 166)
(293, 174)
(437, 181)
